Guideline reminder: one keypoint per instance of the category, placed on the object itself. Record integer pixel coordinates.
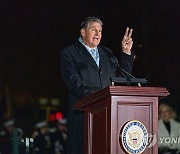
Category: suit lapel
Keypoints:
(101, 58)
(85, 54)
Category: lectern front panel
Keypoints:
(126, 109)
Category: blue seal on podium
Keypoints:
(134, 137)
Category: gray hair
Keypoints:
(85, 23)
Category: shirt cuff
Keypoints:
(128, 53)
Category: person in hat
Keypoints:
(42, 139)
(6, 135)
(59, 137)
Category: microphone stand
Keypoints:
(118, 68)
(139, 84)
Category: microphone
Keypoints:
(118, 67)
(116, 63)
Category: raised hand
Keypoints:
(127, 41)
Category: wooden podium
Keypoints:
(107, 110)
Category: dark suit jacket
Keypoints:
(83, 77)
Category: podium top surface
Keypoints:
(121, 91)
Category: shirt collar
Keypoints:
(88, 48)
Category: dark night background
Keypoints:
(32, 34)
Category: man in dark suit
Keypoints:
(87, 67)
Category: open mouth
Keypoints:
(95, 38)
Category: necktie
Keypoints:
(95, 55)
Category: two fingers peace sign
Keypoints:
(127, 41)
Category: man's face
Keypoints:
(10, 128)
(92, 34)
(44, 130)
(61, 127)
